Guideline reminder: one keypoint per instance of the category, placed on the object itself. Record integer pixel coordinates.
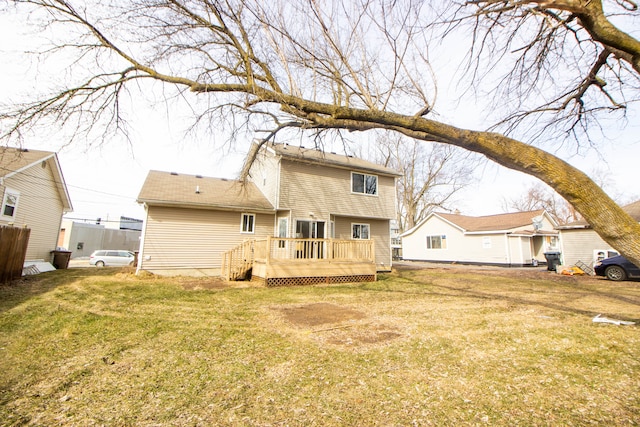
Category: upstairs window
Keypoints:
(436, 242)
(360, 231)
(364, 184)
(248, 223)
(10, 203)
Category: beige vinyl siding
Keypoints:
(39, 208)
(325, 190)
(264, 174)
(473, 248)
(177, 238)
(379, 231)
(579, 244)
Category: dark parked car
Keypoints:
(617, 268)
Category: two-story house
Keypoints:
(34, 195)
(309, 207)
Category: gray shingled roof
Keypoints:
(167, 188)
(309, 155)
(633, 209)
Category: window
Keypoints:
(436, 242)
(365, 184)
(10, 203)
(360, 231)
(248, 223)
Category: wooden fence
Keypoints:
(13, 250)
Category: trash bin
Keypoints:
(61, 259)
(553, 260)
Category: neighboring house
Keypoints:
(302, 197)
(83, 238)
(580, 242)
(34, 195)
(512, 239)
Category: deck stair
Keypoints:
(238, 262)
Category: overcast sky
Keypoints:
(104, 181)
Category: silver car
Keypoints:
(110, 258)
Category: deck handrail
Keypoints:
(291, 249)
(239, 260)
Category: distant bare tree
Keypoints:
(432, 174)
(352, 65)
(539, 196)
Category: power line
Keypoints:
(48, 180)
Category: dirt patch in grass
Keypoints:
(337, 325)
(371, 334)
(319, 314)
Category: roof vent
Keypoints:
(197, 189)
(174, 173)
(198, 176)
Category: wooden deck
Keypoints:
(279, 261)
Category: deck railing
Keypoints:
(238, 261)
(276, 249)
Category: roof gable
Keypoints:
(489, 223)
(172, 189)
(16, 160)
(633, 209)
(308, 155)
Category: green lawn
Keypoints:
(417, 347)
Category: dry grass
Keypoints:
(418, 347)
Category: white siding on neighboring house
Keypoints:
(520, 251)
(179, 239)
(414, 245)
(39, 208)
(503, 247)
(579, 244)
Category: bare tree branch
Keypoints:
(356, 66)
